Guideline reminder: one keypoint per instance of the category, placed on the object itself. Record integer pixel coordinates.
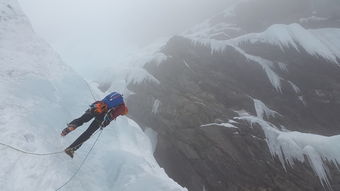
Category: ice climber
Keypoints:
(103, 112)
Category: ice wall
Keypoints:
(38, 96)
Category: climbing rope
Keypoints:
(82, 163)
(53, 153)
(59, 152)
(29, 153)
(94, 98)
(41, 154)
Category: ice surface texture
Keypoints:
(38, 96)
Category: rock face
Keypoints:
(214, 74)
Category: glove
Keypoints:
(68, 129)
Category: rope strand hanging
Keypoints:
(89, 87)
(53, 153)
(30, 153)
(82, 163)
(40, 154)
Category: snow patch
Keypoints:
(283, 66)
(312, 18)
(139, 75)
(187, 65)
(206, 30)
(302, 100)
(219, 46)
(153, 136)
(274, 78)
(295, 87)
(155, 106)
(232, 121)
(324, 43)
(216, 46)
(228, 125)
(315, 42)
(292, 146)
(159, 58)
(262, 110)
(330, 37)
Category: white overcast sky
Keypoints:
(91, 33)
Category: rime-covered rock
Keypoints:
(248, 102)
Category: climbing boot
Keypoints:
(69, 152)
(68, 129)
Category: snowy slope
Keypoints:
(293, 146)
(321, 43)
(39, 95)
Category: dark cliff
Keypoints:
(202, 87)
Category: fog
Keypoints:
(95, 33)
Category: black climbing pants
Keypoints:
(94, 126)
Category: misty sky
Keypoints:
(91, 33)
